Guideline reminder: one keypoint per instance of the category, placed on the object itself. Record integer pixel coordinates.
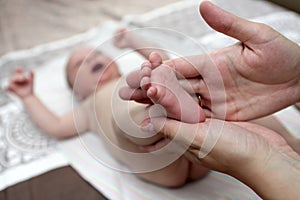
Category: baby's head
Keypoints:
(90, 68)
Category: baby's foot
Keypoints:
(122, 38)
(163, 88)
(155, 60)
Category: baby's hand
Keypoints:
(21, 84)
(122, 38)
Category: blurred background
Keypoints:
(24, 24)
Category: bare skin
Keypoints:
(241, 82)
(254, 154)
(127, 39)
(83, 119)
(162, 86)
(175, 174)
(256, 74)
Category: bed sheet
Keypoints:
(173, 27)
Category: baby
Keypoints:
(94, 76)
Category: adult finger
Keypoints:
(231, 25)
(194, 85)
(138, 95)
(193, 66)
(185, 134)
(187, 66)
(198, 89)
(180, 138)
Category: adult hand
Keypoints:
(253, 78)
(255, 155)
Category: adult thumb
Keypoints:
(182, 133)
(229, 24)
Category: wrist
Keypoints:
(275, 176)
(28, 98)
(283, 177)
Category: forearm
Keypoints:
(47, 121)
(279, 178)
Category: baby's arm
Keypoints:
(56, 126)
(127, 39)
(53, 125)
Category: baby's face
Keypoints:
(88, 70)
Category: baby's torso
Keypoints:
(100, 109)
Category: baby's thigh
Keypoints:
(197, 172)
(129, 122)
(174, 175)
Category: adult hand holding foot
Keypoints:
(258, 73)
(255, 155)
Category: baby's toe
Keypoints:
(155, 60)
(145, 83)
(152, 94)
(146, 71)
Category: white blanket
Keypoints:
(48, 62)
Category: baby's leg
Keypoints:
(177, 174)
(143, 46)
(196, 172)
(128, 151)
(162, 87)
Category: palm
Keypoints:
(253, 86)
(254, 78)
(244, 139)
(237, 145)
